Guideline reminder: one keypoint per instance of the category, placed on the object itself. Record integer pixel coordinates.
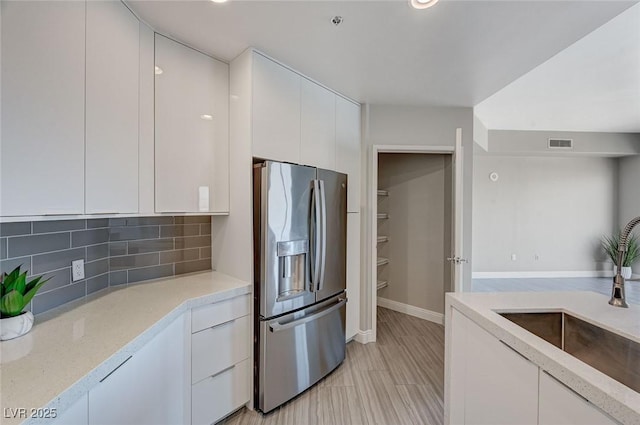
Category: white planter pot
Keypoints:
(626, 272)
(13, 327)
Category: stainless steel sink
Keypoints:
(610, 353)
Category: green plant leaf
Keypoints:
(12, 304)
(33, 282)
(17, 283)
(32, 292)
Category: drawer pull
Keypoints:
(117, 367)
(219, 325)
(223, 371)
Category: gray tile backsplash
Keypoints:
(117, 251)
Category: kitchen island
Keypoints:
(72, 349)
(497, 371)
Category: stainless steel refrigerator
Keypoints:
(300, 228)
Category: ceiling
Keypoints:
(456, 53)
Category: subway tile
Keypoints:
(89, 237)
(95, 223)
(97, 283)
(146, 273)
(6, 266)
(56, 260)
(193, 242)
(96, 252)
(117, 278)
(58, 279)
(132, 233)
(117, 222)
(96, 268)
(180, 255)
(193, 266)
(150, 245)
(48, 300)
(141, 221)
(117, 248)
(133, 261)
(58, 226)
(194, 219)
(179, 230)
(205, 252)
(14, 229)
(36, 244)
(205, 229)
(3, 248)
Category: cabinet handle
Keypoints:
(222, 371)
(514, 350)
(219, 325)
(117, 367)
(567, 387)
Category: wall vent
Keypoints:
(560, 144)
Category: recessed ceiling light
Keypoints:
(219, 1)
(422, 4)
(158, 70)
(206, 117)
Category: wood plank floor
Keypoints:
(397, 380)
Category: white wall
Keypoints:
(629, 194)
(410, 125)
(556, 208)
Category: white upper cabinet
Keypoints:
(112, 87)
(348, 148)
(318, 126)
(43, 81)
(191, 130)
(276, 111)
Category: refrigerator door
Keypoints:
(299, 349)
(333, 275)
(281, 237)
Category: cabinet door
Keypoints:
(191, 128)
(353, 275)
(150, 387)
(43, 75)
(276, 111)
(560, 405)
(318, 126)
(501, 386)
(348, 148)
(112, 108)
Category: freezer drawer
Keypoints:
(299, 349)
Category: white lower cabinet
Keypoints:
(559, 405)
(216, 396)
(151, 387)
(220, 359)
(353, 275)
(77, 414)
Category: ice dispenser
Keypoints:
(292, 273)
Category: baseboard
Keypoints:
(421, 313)
(364, 337)
(520, 275)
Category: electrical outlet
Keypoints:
(513, 257)
(77, 270)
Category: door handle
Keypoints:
(457, 260)
(277, 326)
(315, 210)
(323, 209)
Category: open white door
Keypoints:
(457, 259)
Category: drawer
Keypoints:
(223, 311)
(218, 348)
(217, 396)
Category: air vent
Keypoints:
(560, 143)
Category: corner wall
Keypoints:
(629, 194)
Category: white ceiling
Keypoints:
(593, 85)
(456, 53)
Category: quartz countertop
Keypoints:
(618, 400)
(72, 347)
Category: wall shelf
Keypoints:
(383, 193)
(383, 216)
(382, 261)
(382, 239)
(382, 284)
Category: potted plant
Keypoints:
(16, 293)
(610, 245)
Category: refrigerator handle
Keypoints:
(315, 230)
(323, 203)
(277, 326)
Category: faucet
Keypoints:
(617, 291)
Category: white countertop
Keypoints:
(618, 400)
(72, 347)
